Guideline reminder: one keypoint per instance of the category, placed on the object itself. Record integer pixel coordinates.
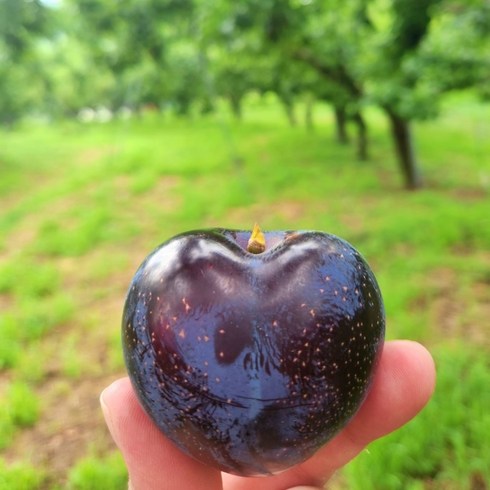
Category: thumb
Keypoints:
(153, 462)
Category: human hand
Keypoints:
(403, 384)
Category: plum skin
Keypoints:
(250, 363)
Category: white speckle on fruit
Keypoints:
(186, 305)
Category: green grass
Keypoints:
(81, 206)
(94, 473)
(20, 476)
(19, 409)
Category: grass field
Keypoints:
(82, 205)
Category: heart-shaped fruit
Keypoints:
(251, 354)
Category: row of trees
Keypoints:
(401, 55)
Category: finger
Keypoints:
(403, 384)
(153, 462)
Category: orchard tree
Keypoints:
(430, 48)
(21, 25)
(301, 36)
(289, 80)
(234, 60)
(393, 81)
(146, 44)
(465, 28)
(330, 44)
(401, 55)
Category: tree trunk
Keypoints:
(236, 106)
(309, 112)
(288, 104)
(402, 136)
(293, 122)
(341, 125)
(362, 139)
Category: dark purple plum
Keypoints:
(250, 362)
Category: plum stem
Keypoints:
(256, 243)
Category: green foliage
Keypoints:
(466, 63)
(34, 319)
(174, 54)
(20, 477)
(20, 24)
(16, 94)
(19, 408)
(17, 21)
(72, 359)
(76, 235)
(10, 346)
(7, 427)
(23, 403)
(29, 318)
(25, 277)
(93, 473)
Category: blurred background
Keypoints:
(123, 123)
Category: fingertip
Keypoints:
(403, 384)
(114, 390)
(427, 364)
(109, 400)
(412, 369)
